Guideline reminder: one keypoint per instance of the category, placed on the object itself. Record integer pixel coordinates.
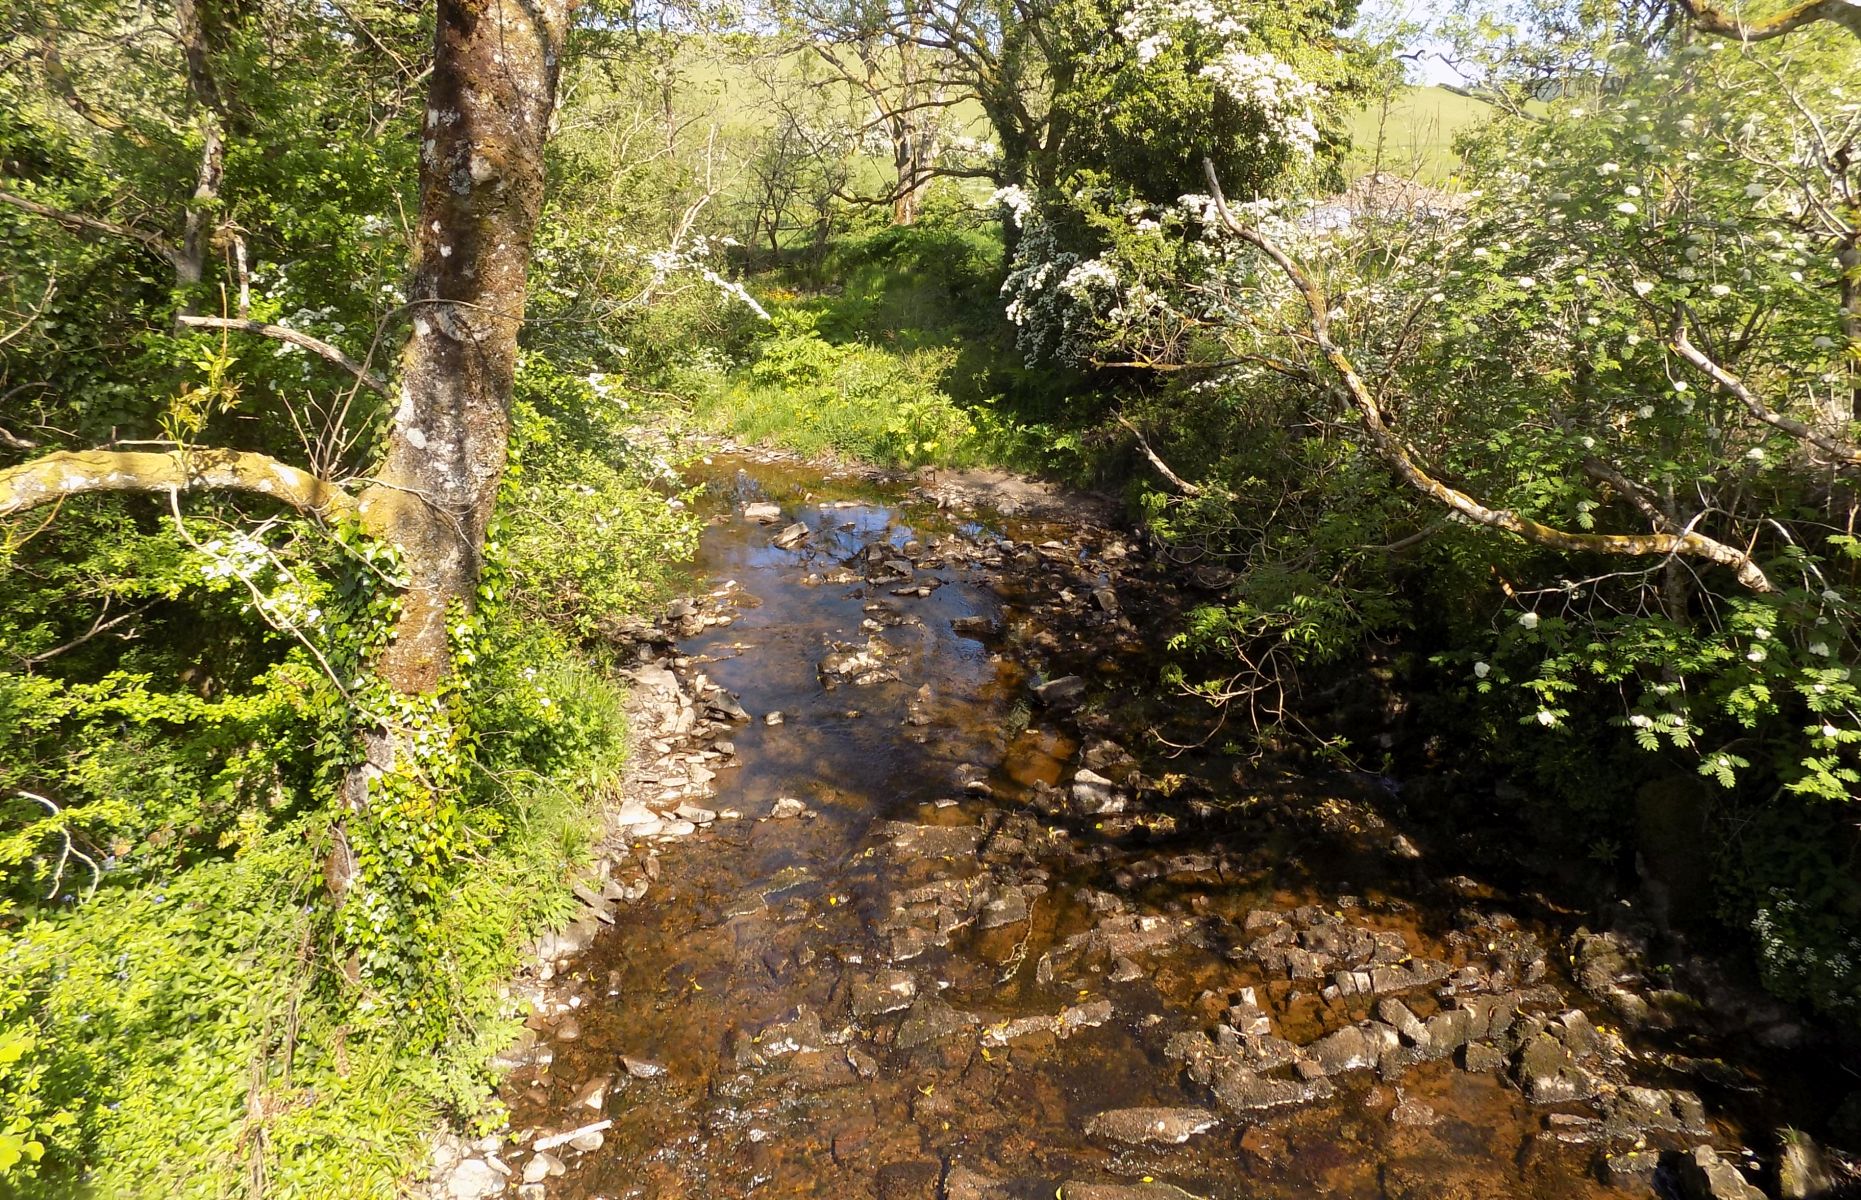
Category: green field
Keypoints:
(1413, 133)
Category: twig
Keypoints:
(58, 875)
(304, 341)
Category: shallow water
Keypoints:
(1046, 966)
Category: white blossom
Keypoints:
(1266, 83)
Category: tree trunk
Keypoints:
(488, 115)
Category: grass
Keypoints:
(1411, 132)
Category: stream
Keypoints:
(902, 902)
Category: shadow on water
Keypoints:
(937, 980)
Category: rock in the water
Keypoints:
(542, 1166)
(1703, 1175)
(1065, 692)
(790, 537)
(1079, 1190)
(1094, 795)
(1548, 1074)
(1240, 1090)
(763, 511)
(1139, 1125)
(593, 1094)
(641, 1068)
(889, 991)
(931, 1021)
(787, 806)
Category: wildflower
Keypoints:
(1819, 649)
(1546, 717)
(1631, 190)
(1720, 289)
(1642, 287)
(1641, 721)
(1482, 670)
(1529, 620)
(1829, 731)
(1680, 385)
(1527, 282)
(1756, 655)
(1627, 208)
(1608, 168)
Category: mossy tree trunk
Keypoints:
(491, 100)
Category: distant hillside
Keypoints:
(1416, 130)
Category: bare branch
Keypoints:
(304, 341)
(154, 243)
(1837, 448)
(1176, 481)
(1398, 454)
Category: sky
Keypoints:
(1425, 66)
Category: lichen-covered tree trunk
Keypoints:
(490, 104)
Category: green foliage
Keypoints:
(851, 398)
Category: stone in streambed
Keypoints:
(542, 1166)
(1094, 795)
(932, 1020)
(1136, 1126)
(887, 992)
(474, 1179)
(1703, 1175)
(1065, 692)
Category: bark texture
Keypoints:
(492, 95)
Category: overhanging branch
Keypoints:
(1710, 18)
(1835, 447)
(1397, 453)
(65, 473)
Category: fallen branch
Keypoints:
(303, 341)
(1398, 454)
(562, 1139)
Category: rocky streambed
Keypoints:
(901, 902)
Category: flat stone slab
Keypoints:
(1136, 1126)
